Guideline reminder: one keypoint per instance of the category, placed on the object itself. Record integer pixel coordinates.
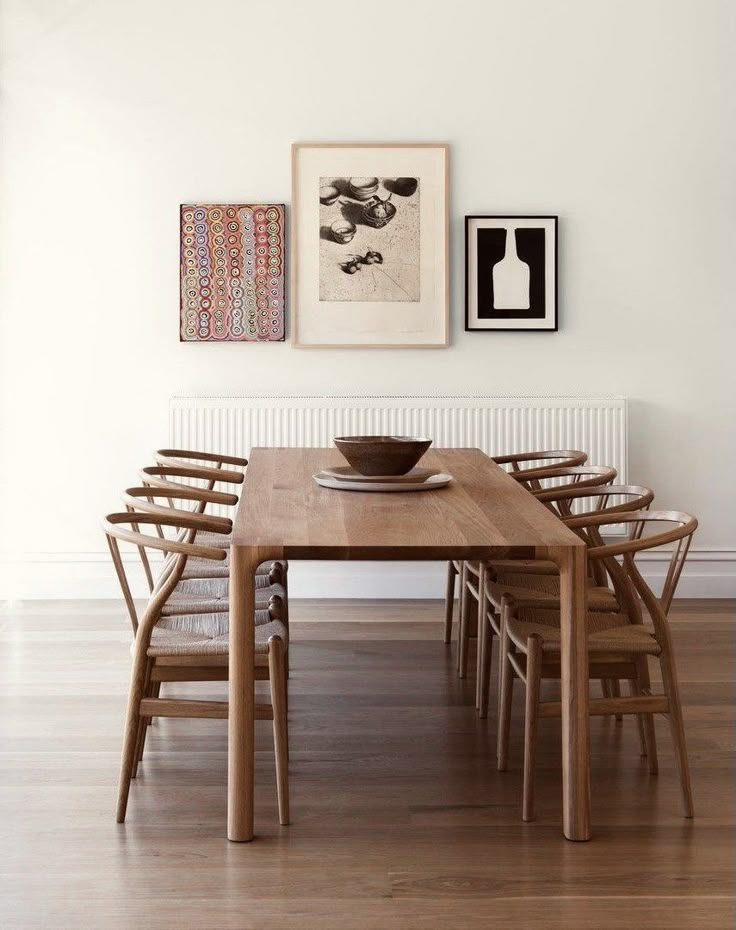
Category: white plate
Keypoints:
(339, 484)
(346, 473)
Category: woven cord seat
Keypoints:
(607, 632)
(213, 623)
(217, 589)
(545, 587)
(172, 642)
(201, 568)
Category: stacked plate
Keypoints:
(345, 478)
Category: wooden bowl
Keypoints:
(382, 455)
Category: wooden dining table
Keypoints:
(482, 514)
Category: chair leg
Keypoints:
(149, 690)
(644, 685)
(277, 676)
(504, 706)
(615, 687)
(634, 691)
(464, 628)
(484, 667)
(130, 741)
(449, 600)
(531, 721)
(677, 728)
(481, 632)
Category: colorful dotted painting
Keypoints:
(232, 273)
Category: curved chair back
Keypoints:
(143, 500)
(559, 458)
(177, 457)
(678, 537)
(609, 499)
(579, 476)
(125, 527)
(161, 475)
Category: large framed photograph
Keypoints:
(369, 259)
(511, 273)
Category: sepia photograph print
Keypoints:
(369, 239)
(369, 245)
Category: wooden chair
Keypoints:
(500, 577)
(172, 477)
(165, 653)
(202, 594)
(619, 642)
(569, 478)
(517, 462)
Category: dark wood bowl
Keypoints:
(382, 455)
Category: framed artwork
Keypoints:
(511, 273)
(232, 272)
(369, 259)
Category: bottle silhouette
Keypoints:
(511, 278)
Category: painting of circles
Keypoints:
(232, 273)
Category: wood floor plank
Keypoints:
(399, 819)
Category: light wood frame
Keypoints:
(293, 252)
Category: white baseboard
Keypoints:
(79, 575)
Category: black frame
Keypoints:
(510, 216)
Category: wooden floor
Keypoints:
(399, 817)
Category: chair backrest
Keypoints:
(678, 537)
(125, 527)
(143, 500)
(184, 456)
(519, 461)
(609, 498)
(578, 476)
(161, 475)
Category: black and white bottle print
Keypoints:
(511, 273)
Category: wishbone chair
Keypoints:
(203, 595)
(498, 577)
(563, 458)
(619, 644)
(164, 654)
(165, 476)
(580, 476)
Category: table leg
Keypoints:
(241, 710)
(574, 682)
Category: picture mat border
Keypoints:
(469, 217)
(295, 147)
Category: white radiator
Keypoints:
(496, 425)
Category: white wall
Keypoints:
(619, 116)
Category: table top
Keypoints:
(482, 513)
